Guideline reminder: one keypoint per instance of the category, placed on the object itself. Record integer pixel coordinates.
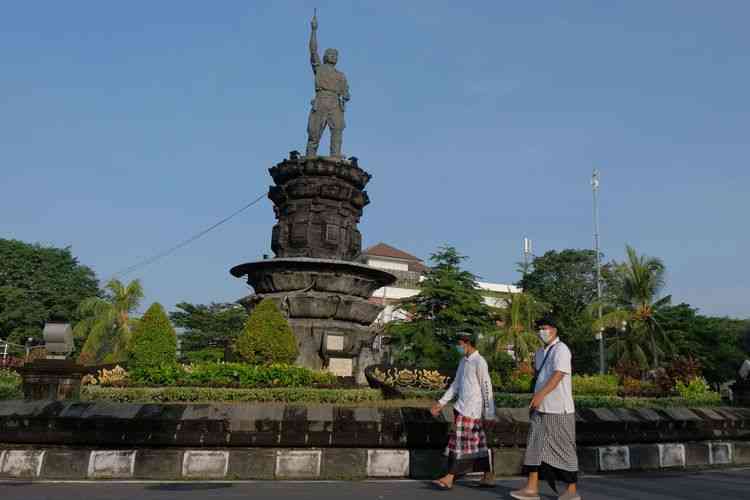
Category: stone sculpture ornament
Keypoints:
(331, 95)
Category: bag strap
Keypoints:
(549, 351)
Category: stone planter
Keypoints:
(52, 379)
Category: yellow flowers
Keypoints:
(117, 376)
(423, 379)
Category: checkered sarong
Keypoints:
(467, 440)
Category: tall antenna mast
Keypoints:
(600, 333)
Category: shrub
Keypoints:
(10, 385)
(519, 382)
(207, 355)
(153, 342)
(595, 385)
(696, 389)
(206, 394)
(230, 375)
(500, 363)
(267, 337)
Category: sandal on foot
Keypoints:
(441, 485)
(524, 495)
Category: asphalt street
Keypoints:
(705, 485)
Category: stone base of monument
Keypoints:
(314, 278)
(52, 379)
(741, 393)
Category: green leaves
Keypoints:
(153, 342)
(212, 325)
(267, 337)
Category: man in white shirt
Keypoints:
(475, 407)
(551, 447)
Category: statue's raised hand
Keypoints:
(314, 23)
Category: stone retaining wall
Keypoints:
(116, 425)
(74, 463)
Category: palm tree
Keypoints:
(517, 325)
(106, 323)
(636, 314)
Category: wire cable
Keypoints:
(150, 260)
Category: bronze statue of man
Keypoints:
(331, 95)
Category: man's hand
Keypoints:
(314, 23)
(436, 409)
(536, 401)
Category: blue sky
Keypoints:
(128, 126)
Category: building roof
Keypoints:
(389, 252)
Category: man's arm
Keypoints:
(314, 57)
(485, 385)
(449, 394)
(550, 386)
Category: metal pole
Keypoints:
(600, 333)
(5, 354)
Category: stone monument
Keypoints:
(315, 278)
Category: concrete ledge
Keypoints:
(336, 463)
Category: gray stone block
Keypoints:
(298, 464)
(426, 464)
(697, 454)
(741, 452)
(644, 457)
(721, 453)
(671, 455)
(111, 464)
(65, 464)
(254, 463)
(22, 463)
(387, 463)
(205, 464)
(614, 458)
(507, 461)
(158, 464)
(588, 459)
(344, 464)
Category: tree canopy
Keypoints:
(208, 325)
(39, 283)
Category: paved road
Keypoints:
(708, 485)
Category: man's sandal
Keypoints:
(441, 485)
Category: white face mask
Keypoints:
(544, 335)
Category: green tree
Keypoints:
(566, 282)
(37, 284)
(267, 337)
(214, 325)
(153, 342)
(517, 326)
(636, 311)
(715, 342)
(449, 300)
(106, 324)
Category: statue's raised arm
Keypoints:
(314, 57)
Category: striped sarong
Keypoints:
(467, 446)
(551, 447)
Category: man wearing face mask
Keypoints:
(474, 410)
(551, 447)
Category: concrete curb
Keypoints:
(336, 463)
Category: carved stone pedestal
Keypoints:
(52, 379)
(314, 279)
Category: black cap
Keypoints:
(465, 336)
(546, 321)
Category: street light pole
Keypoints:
(600, 333)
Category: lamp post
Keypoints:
(600, 333)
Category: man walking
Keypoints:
(467, 445)
(551, 447)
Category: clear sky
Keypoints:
(126, 127)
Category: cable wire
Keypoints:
(150, 260)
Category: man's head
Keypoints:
(547, 330)
(331, 56)
(465, 343)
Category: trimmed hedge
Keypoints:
(206, 394)
(504, 400)
(267, 337)
(153, 342)
(230, 375)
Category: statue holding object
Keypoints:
(331, 95)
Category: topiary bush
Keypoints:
(153, 342)
(267, 337)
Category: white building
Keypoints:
(410, 270)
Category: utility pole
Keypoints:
(600, 333)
